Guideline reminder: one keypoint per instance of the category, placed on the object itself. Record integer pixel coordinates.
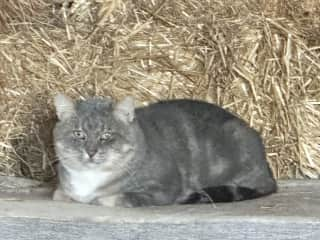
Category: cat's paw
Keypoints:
(118, 200)
(59, 195)
(126, 200)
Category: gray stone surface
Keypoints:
(14, 188)
(17, 229)
(293, 213)
(7, 182)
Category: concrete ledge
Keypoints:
(294, 213)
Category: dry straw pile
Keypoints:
(257, 58)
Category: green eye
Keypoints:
(79, 134)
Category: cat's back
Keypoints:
(183, 110)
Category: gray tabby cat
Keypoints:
(171, 152)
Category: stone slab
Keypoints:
(292, 213)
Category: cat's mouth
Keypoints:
(98, 160)
(91, 160)
(94, 161)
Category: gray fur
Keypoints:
(170, 152)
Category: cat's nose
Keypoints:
(92, 152)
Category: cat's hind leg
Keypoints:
(230, 193)
(249, 175)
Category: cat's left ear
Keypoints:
(124, 110)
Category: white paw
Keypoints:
(59, 195)
(113, 201)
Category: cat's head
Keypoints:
(95, 132)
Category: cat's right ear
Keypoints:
(64, 106)
(124, 110)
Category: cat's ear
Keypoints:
(124, 110)
(64, 106)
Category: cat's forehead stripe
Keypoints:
(94, 114)
(91, 122)
(94, 105)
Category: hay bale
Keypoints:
(259, 59)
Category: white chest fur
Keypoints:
(85, 183)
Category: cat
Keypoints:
(170, 152)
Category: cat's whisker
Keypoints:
(212, 203)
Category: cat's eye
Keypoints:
(79, 134)
(107, 136)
